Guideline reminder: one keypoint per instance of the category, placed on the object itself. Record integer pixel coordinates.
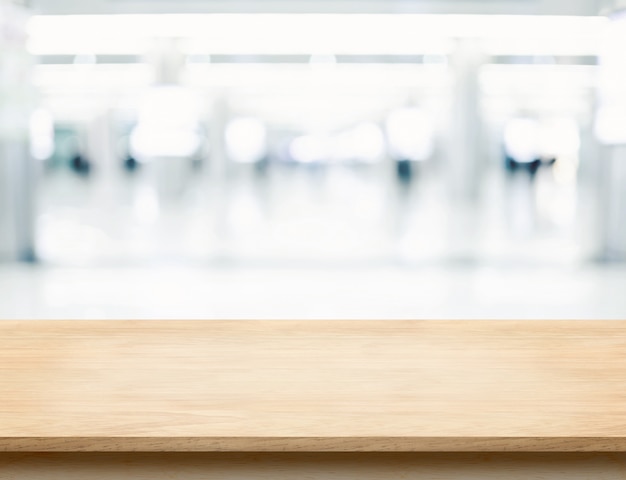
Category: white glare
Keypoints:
(559, 136)
(521, 139)
(310, 148)
(410, 133)
(41, 134)
(168, 122)
(246, 140)
(610, 125)
(364, 143)
(146, 205)
(306, 34)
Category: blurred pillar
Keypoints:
(613, 247)
(167, 61)
(218, 173)
(466, 152)
(611, 133)
(171, 171)
(107, 172)
(591, 195)
(17, 171)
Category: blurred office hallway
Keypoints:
(216, 159)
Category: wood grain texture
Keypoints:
(312, 466)
(313, 386)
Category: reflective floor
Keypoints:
(164, 292)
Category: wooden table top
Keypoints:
(313, 386)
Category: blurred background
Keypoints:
(312, 159)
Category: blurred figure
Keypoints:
(130, 163)
(533, 146)
(81, 165)
(410, 140)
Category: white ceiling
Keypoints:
(528, 7)
(293, 34)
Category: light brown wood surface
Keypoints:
(312, 466)
(313, 386)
